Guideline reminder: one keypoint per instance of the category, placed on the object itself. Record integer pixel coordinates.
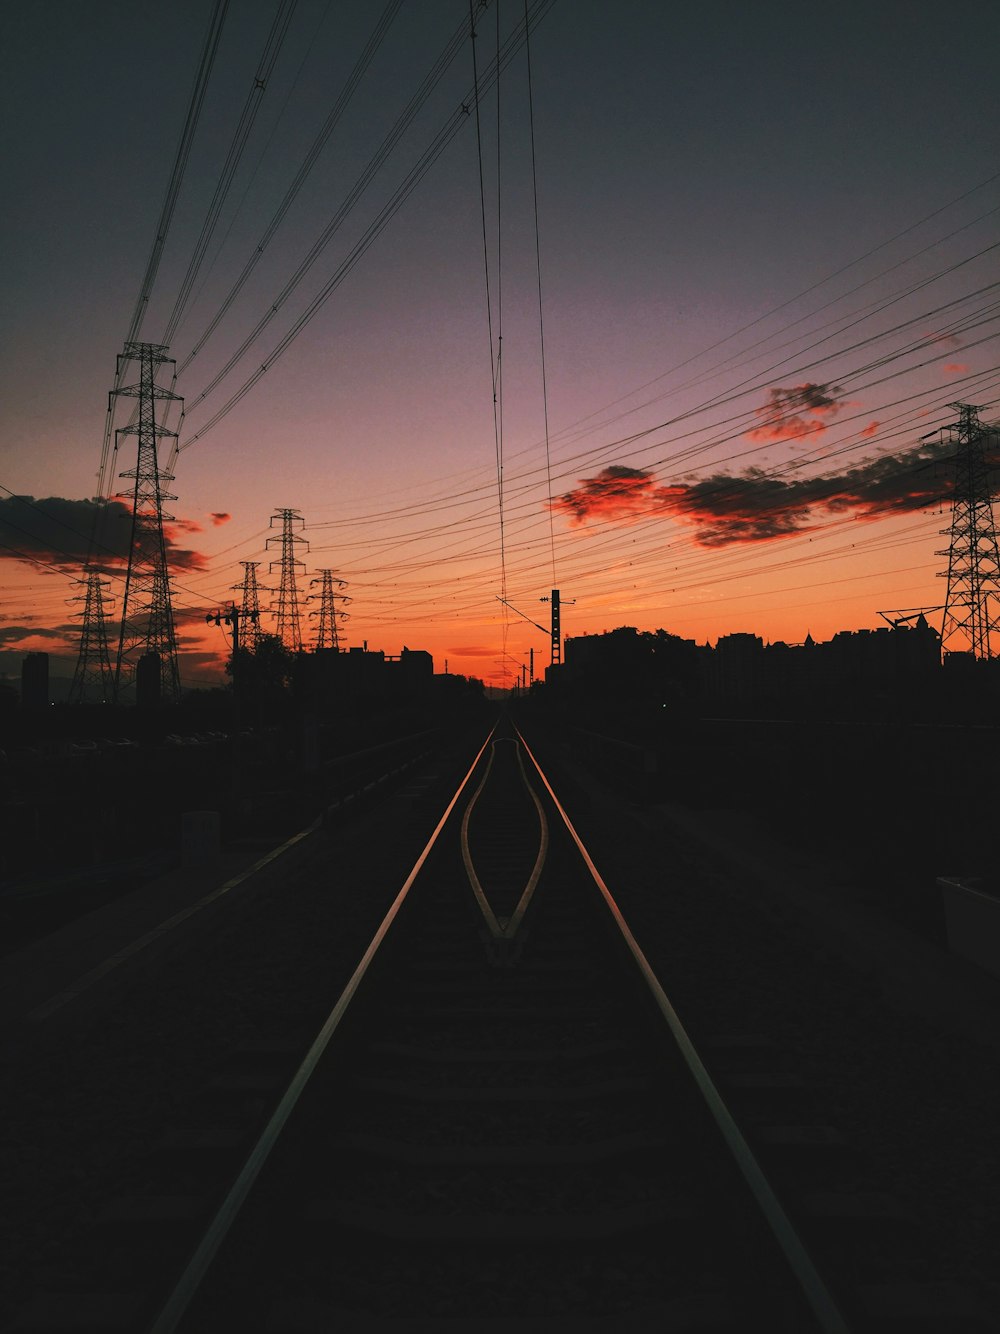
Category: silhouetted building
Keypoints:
(892, 669)
(35, 681)
(334, 677)
(738, 667)
(413, 664)
(148, 672)
(643, 668)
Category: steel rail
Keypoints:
(814, 1289)
(506, 928)
(176, 1305)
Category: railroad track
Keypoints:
(501, 1125)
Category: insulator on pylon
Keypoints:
(289, 621)
(147, 620)
(327, 632)
(973, 572)
(93, 678)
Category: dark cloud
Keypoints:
(792, 413)
(13, 635)
(476, 651)
(945, 339)
(756, 506)
(197, 663)
(60, 531)
(219, 519)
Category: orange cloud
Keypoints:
(617, 492)
(871, 428)
(182, 558)
(955, 367)
(219, 519)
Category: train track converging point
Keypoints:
(503, 1138)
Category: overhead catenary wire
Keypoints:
(601, 563)
(752, 385)
(495, 346)
(807, 291)
(732, 425)
(538, 275)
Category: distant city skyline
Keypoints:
(767, 260)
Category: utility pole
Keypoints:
(93, 665)
(973, 572)
(147, 621)
(289, 620)
(233, 616)
(327, 635)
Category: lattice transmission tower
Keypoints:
(327, 632)
(147, 620)
(249, 610)
(93, 677)
(287, 611)
(973, 572)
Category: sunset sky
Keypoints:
(768, 243)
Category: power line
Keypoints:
(208, 55)
(319, 143)
(272, 49)
(538, 273)
(441, 141)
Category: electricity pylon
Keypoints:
(289, 621)
(249, 631)
(327, 635)
(973, 572)
(93, 665)
(147, 621)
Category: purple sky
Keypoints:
(697, 167)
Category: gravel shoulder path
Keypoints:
(90, 1090)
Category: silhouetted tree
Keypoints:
(262, 676)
